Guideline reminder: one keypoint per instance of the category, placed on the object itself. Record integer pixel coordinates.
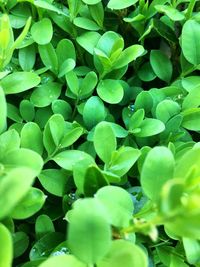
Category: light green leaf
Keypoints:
(190, 41)
(104, 135)
(62, 261)
(93, 118)
(54, 181)
(191, 119)
(48, 56)
(111, 91)
(18, 82)
(123, 159)
(89, 240)
(86, 24)
(3, 113)
(116, 4)
(158, 168)
(45, 94)
(161, 65)
(129, 54)
(29, 205)
(69, 158)
(118, 203)
(150, 127)
(124, 253)
(42, 31)
(171, 12)
(29, 130)
(43, 226)
(91, 2)
(88, 41)
(6, 251)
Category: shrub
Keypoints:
(99, 130)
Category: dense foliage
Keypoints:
(99, 124)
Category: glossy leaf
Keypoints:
(124, 253)
(151, 174)
(110, 91)
(119, 207)
(90, 240)
(6, 251)
(42, 31)
(19, 82)
(116, 4)
(103, 131)
(54, 181)
(29, 205)
(190, 42)
(161, 65)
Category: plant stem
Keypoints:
(190, 9)
(75, 108)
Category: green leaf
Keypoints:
(18, 82)
(90, 118)
(86, 24)
(88, 83)
(159, 158)
(42, 31)
(71, 137)
(129, 54)
(43, 226)
(91, 2)
(124, 253)
(150, 127)
(94, 179)
(62, 261)
(45, 94)
(48, 56)
(104, 132)
(20, 242)
(167, 109)
(144, 100)
(45, 245)
(3, 113)
(48, 6)
(191, 119)
(192, 250)
(73, 82)
(190, 41)
(6, 252)
(190, 160)
(123, 159)
(62, 107)
(54, 181)
(118, 203)
(27, 57)
(171, 12)
(192, 100)
(23, 158)
(97, 13)
(29, 130)
(67, 66)
(16, 182)
(110, 91)
(88, 41)
(27, 110)
(161, 65)
(89, 240)
(29, 205)
(69, 158)
(116, 4)
(65, 50)
(9, 141)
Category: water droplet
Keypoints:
(131, 107)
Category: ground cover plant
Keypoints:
(99, 133)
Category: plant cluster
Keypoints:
(99, 131)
